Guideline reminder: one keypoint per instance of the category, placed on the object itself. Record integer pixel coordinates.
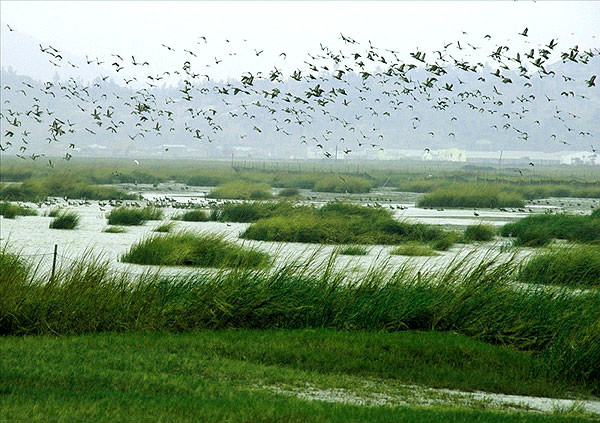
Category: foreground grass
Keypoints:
(10, 211)
(540, 230)
(226, 376)
(478, 300)
(577, 266)
(471, 195)
(340, 223)
(193, 249)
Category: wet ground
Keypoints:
(32, 236)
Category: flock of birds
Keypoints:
(352, 90)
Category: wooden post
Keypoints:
(54, 262)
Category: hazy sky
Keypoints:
(102, 27)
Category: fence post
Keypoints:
(54, 262)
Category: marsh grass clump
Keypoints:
(575, 266)
(131, 216)
(540, 230)
(10, 211)
(250, 211)
(343, 184)
(194, 249)
(192, 216)
(340, 223)
(479, 232)
(54, 211)
(289, 192)
(66, 219)
(242, 190)
(414, 249)
(114, 230)
(165, 227)
(354, 250)
(471, 195)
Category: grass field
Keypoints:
(133, 216)
(10, 211)
(243, 375)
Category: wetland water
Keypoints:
(32, 236)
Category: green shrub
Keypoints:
(354, 250)
(192, 216)
(480, 232)
(413, 249)
(194, 249)
(471, 195)
(577, 266)
(114, 230)
(10, 211)
(66, 219)
(133, 216)
(242, 190)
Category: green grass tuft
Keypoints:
(114, 230)
(251, 211)
(66, 219)
(165, 227)
(192, 216)
(354, 250)
(10, 211)
(540, 230)
(133, 216)
(575, 266)
(413, 249)
(480, 232)
(193, 249)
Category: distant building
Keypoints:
(452, 155)
(580, 158)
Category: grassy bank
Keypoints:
(540, 230)
(475, 299)
(61, 185)
(241, 190)
(340, 223)
(10, 211)
(133, 216)
(193, 249)
(471, 195)
(576, 266)
(235, 375)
